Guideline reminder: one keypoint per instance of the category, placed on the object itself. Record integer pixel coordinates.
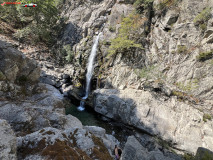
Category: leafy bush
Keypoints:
(121, 44)
(178, 94)
(124, 41)
(68, 52)
(202, 18)
(39, 24)
(206, 117)
(21, 34)
(141, 5)
(188, 156)
(147, 72)
(205, 56)
(181, 49)
(9, 14)
(151, 72)
(189, 86)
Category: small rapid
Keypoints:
(90, 67)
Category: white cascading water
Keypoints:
(89, 72)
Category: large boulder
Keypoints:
(46, 108)
(170, 119)
(74, 143)
(133, 150)
(7, 142)
(203, 154)
(15, 66)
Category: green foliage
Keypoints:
(146, 72)
(206, 117)
(203, 27)
(112, 28)
(179, 94)
(182, 49)
(41, 22)
(22, 33)
(188, 156)
(9, 14)
(189, 86)
(204, 155)
(68, 52)
(150, 72)
(141, 5)
(123, 42)
(205, 56)
(203, 17)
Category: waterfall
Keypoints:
(89, 72)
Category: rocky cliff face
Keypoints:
(165, 88)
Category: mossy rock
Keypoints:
(203, 154)
(205, 56)
(188, 156)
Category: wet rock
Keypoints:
(7, 142)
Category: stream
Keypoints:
(89, 117)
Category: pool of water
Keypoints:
(91, 118)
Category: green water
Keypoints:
(91, 118)
(87, 117)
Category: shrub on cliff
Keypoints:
(43, 25)
(9, 14)
(125, 39)
(202, 18)
(37, 24)
(205, 56)
(141, 5)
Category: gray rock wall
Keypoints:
(174, 121)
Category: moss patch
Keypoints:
(202, 18)
(125, 41)
(206, 117)
(182, 49)
(28, 150)
(61, 150)
(100, 151)
(205, 56)
(188, 156)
